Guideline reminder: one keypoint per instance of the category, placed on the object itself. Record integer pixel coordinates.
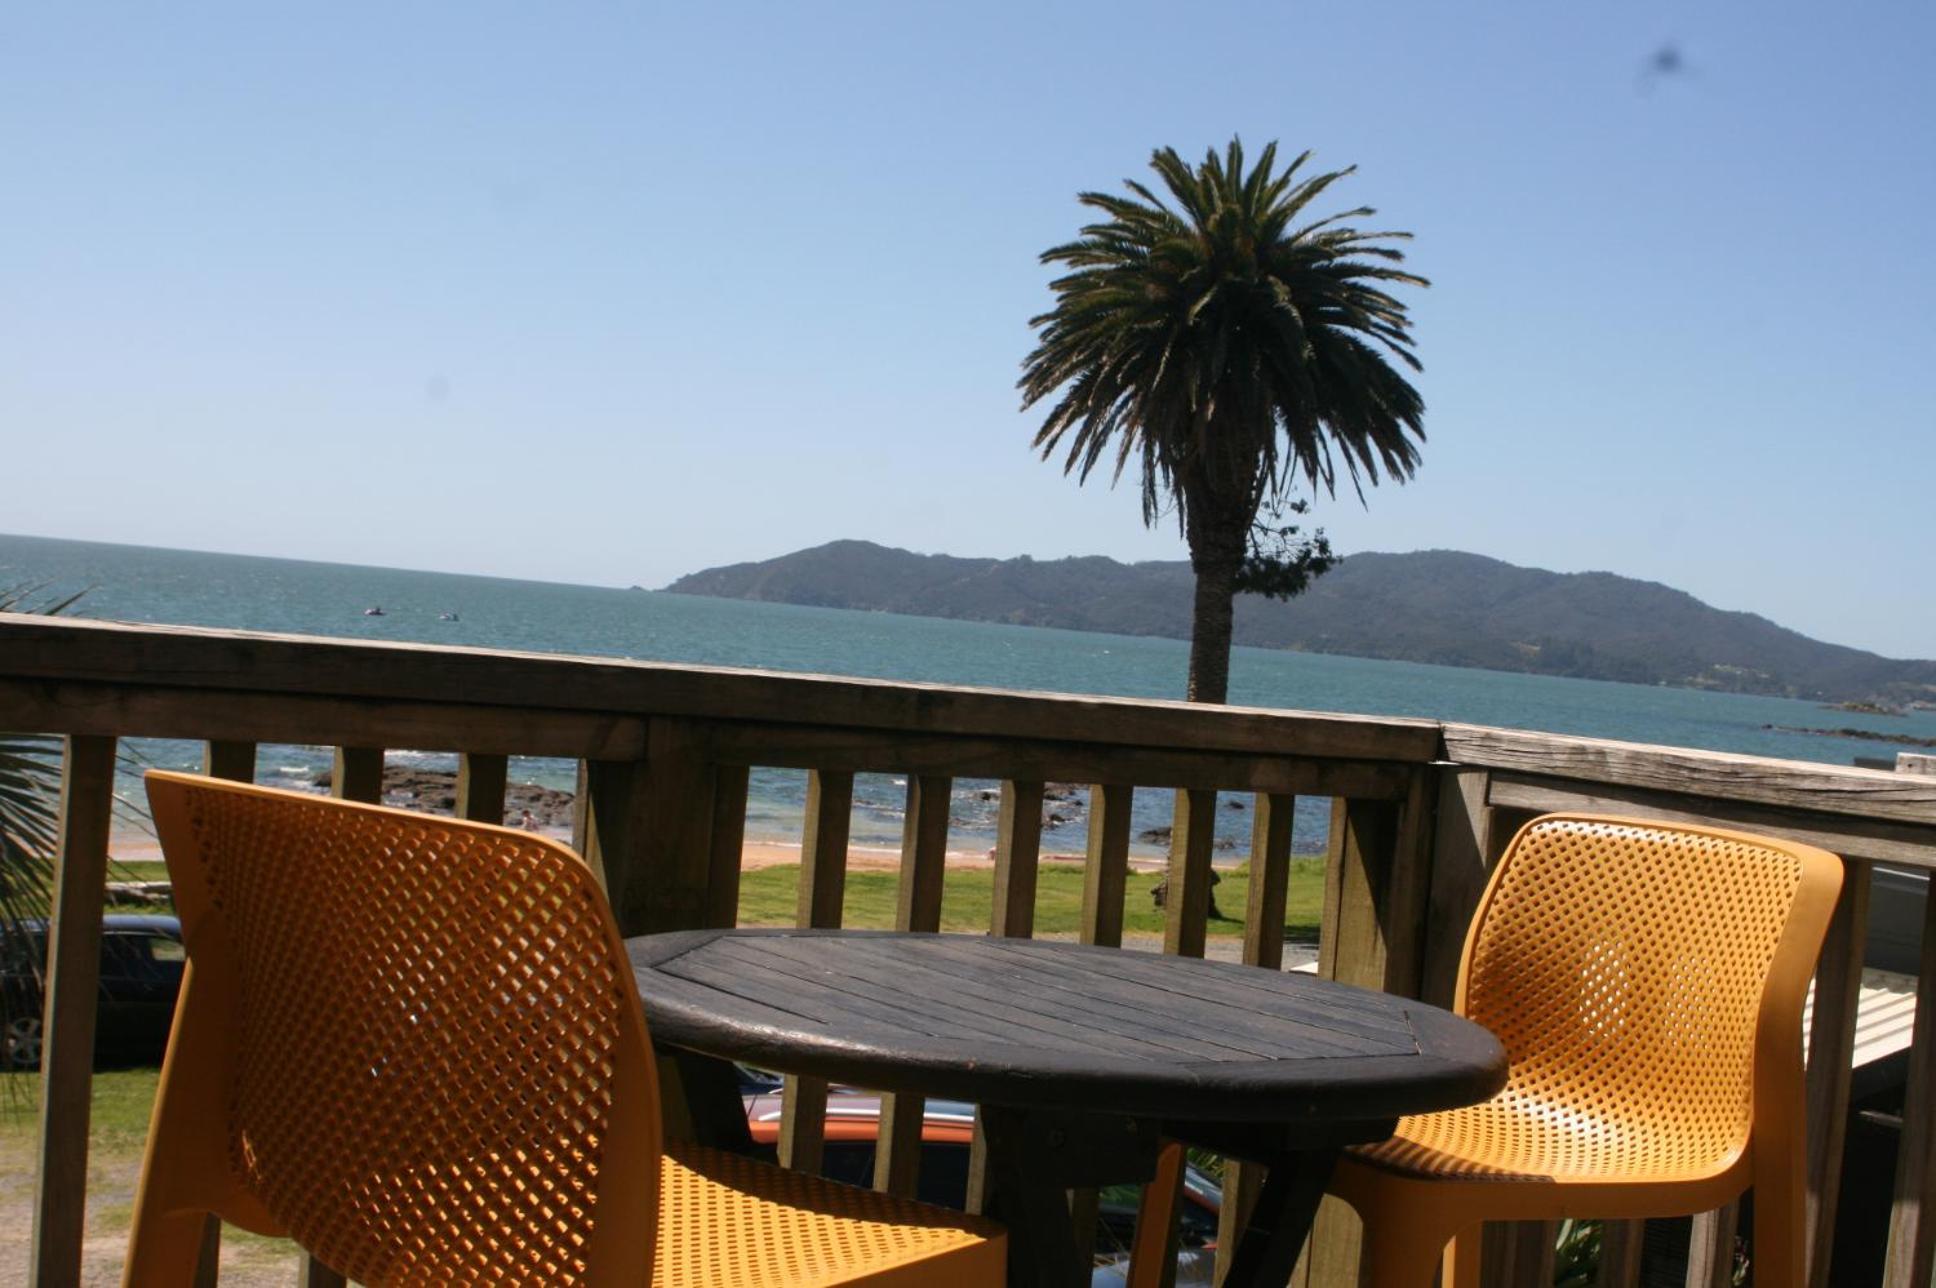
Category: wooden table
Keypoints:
(1081, 1058)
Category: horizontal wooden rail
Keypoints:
(1726, 776)
(247, 715)
(183, 657)
(1078, 757)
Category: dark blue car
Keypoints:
(141, 975)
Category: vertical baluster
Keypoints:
(1462, 856)
(72, 985)
(581, 815)
(1519, 1254)
(646, 828)
(823, 850)
(314, 1274)
(234, 761)
(481, 780)
(823, 883)
(1106, 873)
(924, 853)
(608, 824)
(669, 887)
(1377, 877)
(728, 843)
(1620, 1246)
(1018, 853)
(1831, 1052)
(1912, 1216)
(1270, 873)
(1710, 1248)
(1186, 900)
(358, 775)
(1270, 880)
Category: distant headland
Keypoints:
(1438, 606)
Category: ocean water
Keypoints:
(139, 584)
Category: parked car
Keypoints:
(853, 1127)
(141, 973)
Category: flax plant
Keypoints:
(30, 776)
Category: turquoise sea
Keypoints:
(139, 584)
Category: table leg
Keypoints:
(1035, 1158)
(713, 1104)
(1281, 1221)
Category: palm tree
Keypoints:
(1233, 350)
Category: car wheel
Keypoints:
(23, 1043)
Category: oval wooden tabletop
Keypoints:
(1046, 1024)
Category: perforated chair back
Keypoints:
(408, 1043)
(1626, 968)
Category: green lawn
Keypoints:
(767, 899)
(117, 1133)
(118, 1123)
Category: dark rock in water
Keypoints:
(1162, 835)
(435, 792)
(1861, 735)
(1235, 802)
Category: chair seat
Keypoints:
(727, 1221)
(1516, 1138)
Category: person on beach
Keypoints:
(527, 820)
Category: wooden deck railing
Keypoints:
(1419, 810)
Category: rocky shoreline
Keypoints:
(1863, 735)
(434, 791)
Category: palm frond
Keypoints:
(1236, 345)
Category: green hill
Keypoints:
(1438, 606)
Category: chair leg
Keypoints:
(164, 1249)
(1780, 1238)
(1403, 1255)
(1155, 1218)
(1461, 1265)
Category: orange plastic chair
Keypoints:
(1647, 982)
(412, 1045)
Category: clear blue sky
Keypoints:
(607, 294)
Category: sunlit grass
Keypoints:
(117, 1135)
(767, 899)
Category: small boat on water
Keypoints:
(374, 610)
(448, 617)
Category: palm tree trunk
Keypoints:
(1209, 664)
(1210, 626)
